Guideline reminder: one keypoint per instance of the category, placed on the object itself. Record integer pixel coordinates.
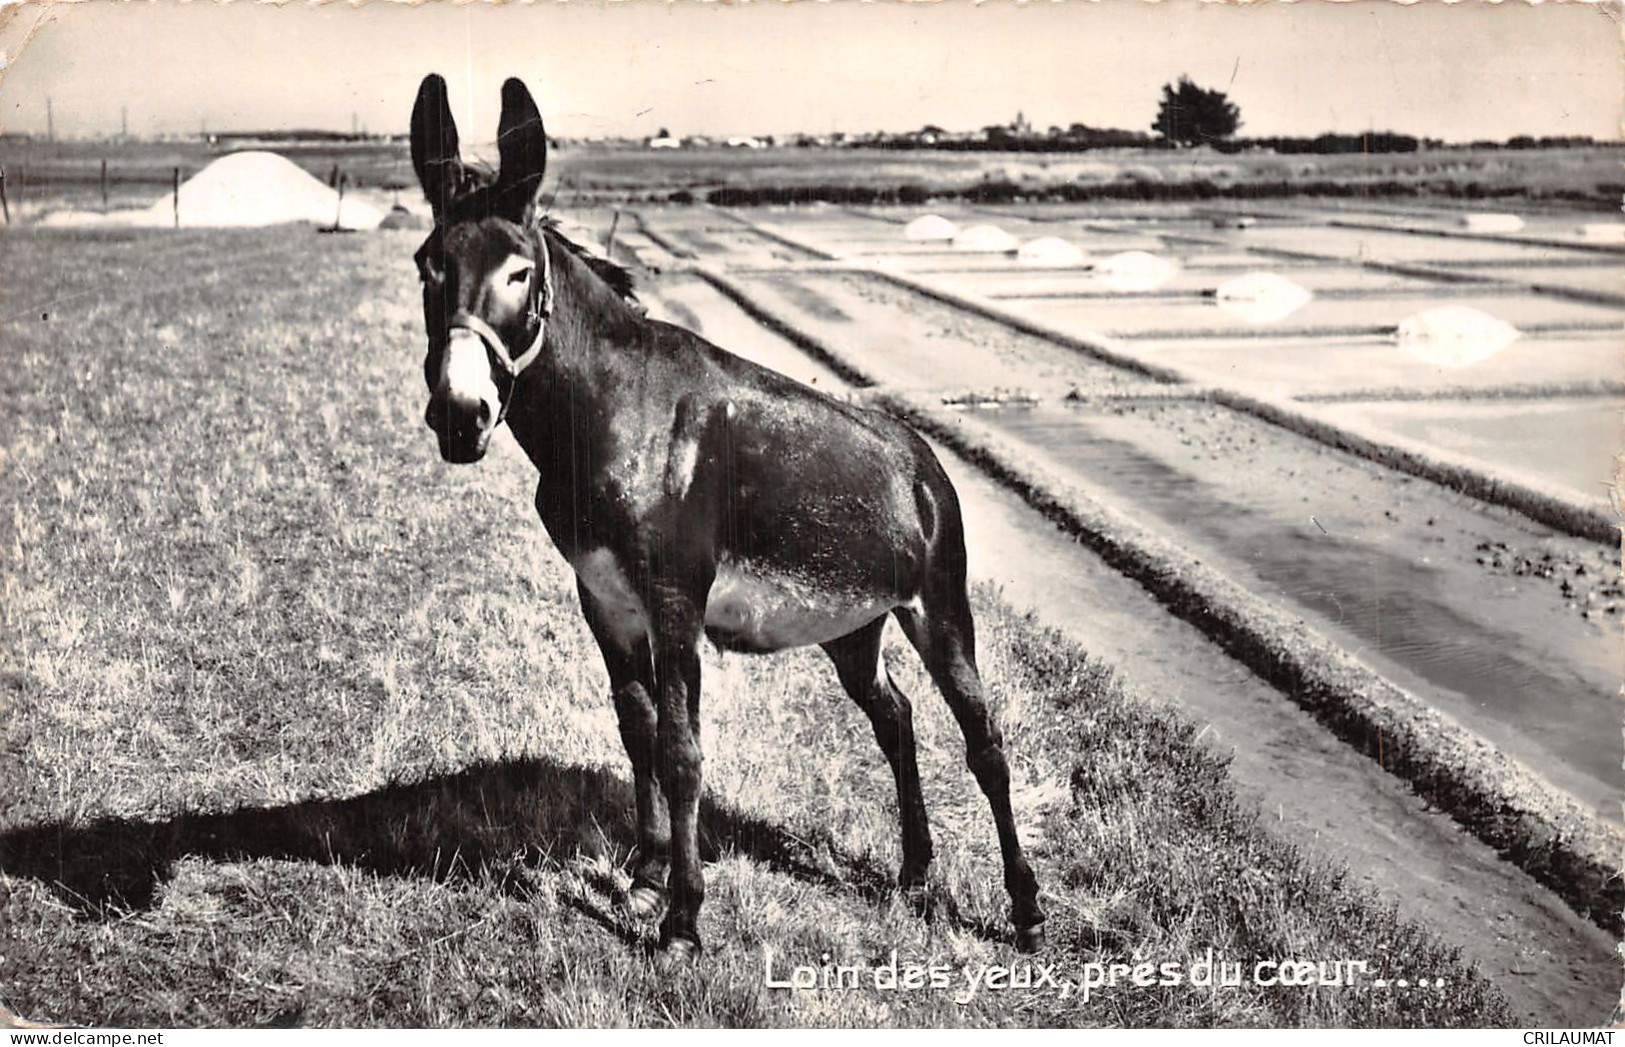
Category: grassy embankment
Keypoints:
(300, 725)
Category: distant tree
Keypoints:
(1190, 115)
(998, 134)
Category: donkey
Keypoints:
(695, 494)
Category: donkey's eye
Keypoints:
(431, 259)
(519, 276)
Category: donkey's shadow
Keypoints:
(450, 828)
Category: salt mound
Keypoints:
(401, 218)
(1262, 298)
(1049, 251)
(930, 227)
(259, 188)
(1135, 271)
(1455, 335)
(1603, 232)
(985, 238)
(1492, 223)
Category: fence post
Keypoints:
(104, 185)
(177, 181)
(3, 205)
(609, 243)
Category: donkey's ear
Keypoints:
(434, 144)
(522, 148)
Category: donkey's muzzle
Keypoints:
(465, 406)
(460, 430)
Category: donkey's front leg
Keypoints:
(632, 688)
(677, 678)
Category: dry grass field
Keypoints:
(301, 726)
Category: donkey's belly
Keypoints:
(753, 609)
(749, 608)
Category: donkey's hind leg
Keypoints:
(863, 674)
(631, 684)
(945, 635)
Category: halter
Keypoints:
(541, 309)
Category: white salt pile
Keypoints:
(1135, 271)
(988, 238)
(1261, 298)
(258, 188)
(1492, 223)
(1455, 335)
(1049, 252)
(930, 227)
(244, 189)
(1603, 232)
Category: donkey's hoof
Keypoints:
(645, 903)
(920, 899)
(1030, 939)
(677, 954)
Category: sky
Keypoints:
(1458, 72)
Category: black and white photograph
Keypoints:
(820, 514)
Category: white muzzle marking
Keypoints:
(468, 372)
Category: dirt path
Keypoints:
(1555, 967)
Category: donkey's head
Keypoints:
(486, 273)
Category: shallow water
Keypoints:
(1605, 279)
(1399, 246)
(1311, 365)
(1518, 678)
(1571, 442)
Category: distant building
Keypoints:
(664, 140)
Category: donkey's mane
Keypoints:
(616, 275)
